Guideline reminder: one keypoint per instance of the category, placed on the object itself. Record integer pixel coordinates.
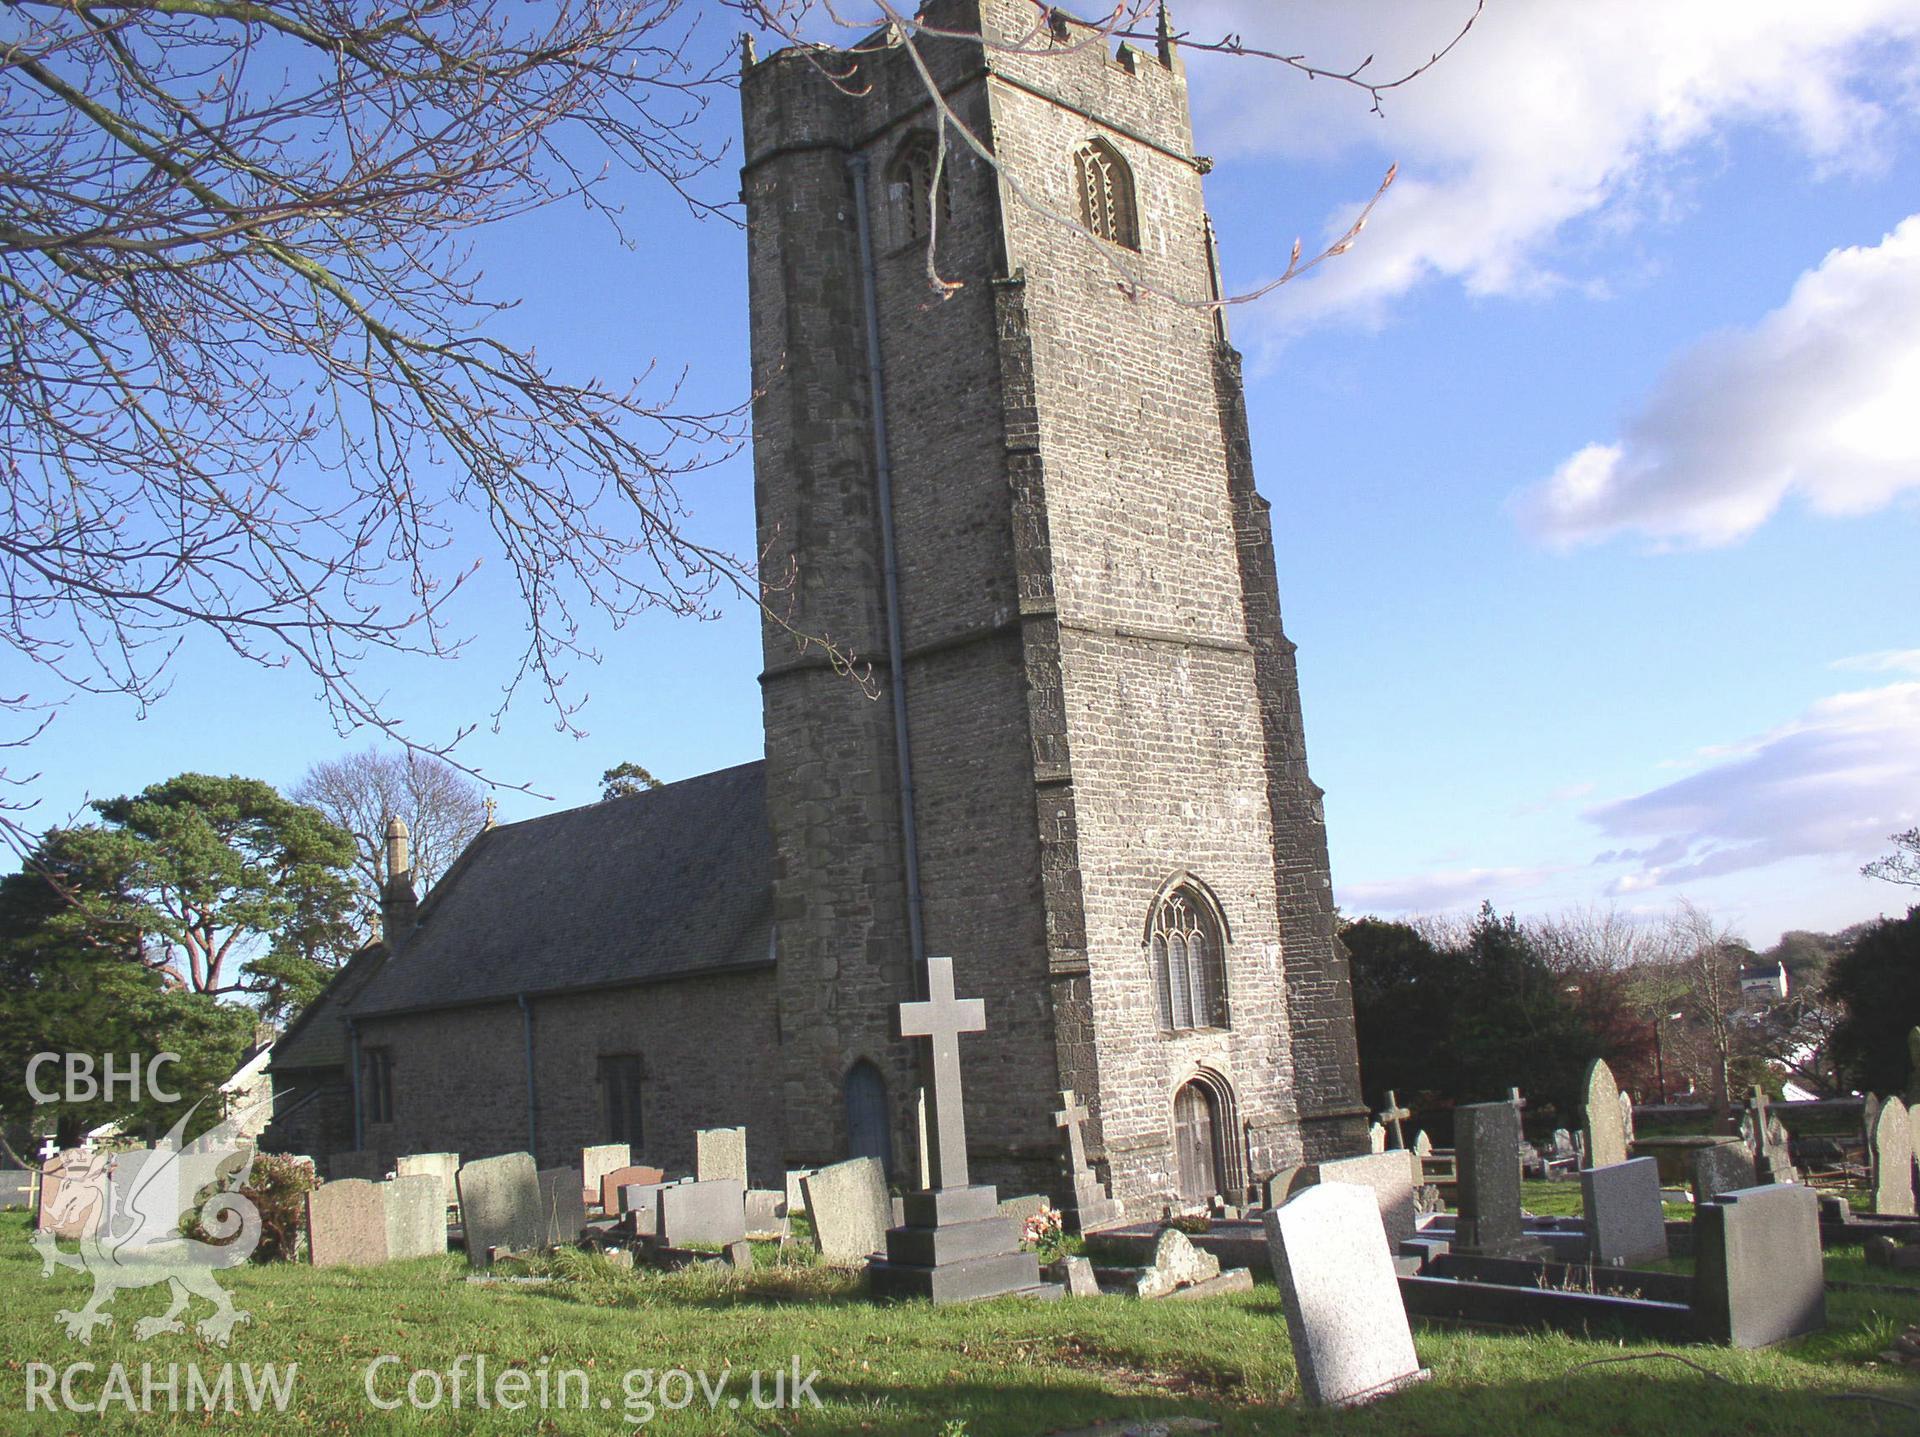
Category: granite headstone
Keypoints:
(720, 1153)
(710, 1213)
(416, 1213)
(1392, 1183)
(499, 1206)
(848, 1205)
(1758, 1275)
(1348, 1326)
(1626, 1225)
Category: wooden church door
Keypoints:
(1195, 1145)
(869, 1134)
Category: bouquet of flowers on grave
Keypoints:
(1046, 1233)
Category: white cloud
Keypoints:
(1885, 661)
(1549, 112)
(1831, 784)
(1437, 892)
(1816, 401)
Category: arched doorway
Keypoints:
(869, 1132)
(1197, 1132)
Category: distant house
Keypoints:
(1763, 983)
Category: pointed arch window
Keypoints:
(1107, 205)
(1186, 948)
(910, 190)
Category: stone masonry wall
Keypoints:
(709, 1048)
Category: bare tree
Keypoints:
(247, 384)
(1903, 864)
(1706, 956)
(442, 807)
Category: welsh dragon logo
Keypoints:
(127, 1211)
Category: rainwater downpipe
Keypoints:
(353, 1055)
(533, 1090)
(889, 565)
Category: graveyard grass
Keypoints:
(1009, 1367)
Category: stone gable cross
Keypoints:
(1072, 1114)
(1393, 1115)
(943, 1018)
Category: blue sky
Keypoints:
(1594, 464)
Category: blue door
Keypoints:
(869, 1133)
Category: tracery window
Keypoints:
(1107, 206)
(910, 190)
(1187, 952)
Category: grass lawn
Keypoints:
(1008, 1367)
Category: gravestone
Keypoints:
(951, 1244)
(416, 1214)
(16, 1188)
(347, 1224)
(1345, 1318)
(796, 1194)
(1869, 1120)
(1391, 1180)
(710, 1213)
(1606, 1135)
(1393, 1115)
(766, 1213)
(719, 1154)
(612, 1182)
(1722, 1168)
(1091, 1206)
(1758, 1277)
(848, 1205)
(1422, 1144)
(1177, 1263)
(1487, 1137)
(1626, 1119)
(499, 1206)
(363, 1165)
(444, 1166)
(1078, 1272)
(1626, 1225)
(641, 1201)
(596, 1162)
(1893, 1164)
(1289, 1180)
(563, 1206)
(1023, 1207)
(924, 1171)
(1376, 1138)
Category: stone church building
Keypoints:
(1079, 766)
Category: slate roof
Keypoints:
(663, 884)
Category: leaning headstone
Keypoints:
(1392, 1183)
(347, 1224)
(1078, 1272)
(1606, 1134)
(416, 1213)
(720, 1153)
(499, 1206)
(440, 1165)
(1758, 1277)
(597, 1162)
(1722, 1168)
(1487, 1137)
(1348, 1326)
(613, 1181)
(563, 1206)
(1893, 1165)
(848, 1205)
(710, 1213)
(1626, 1225)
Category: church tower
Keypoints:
(1023, 501)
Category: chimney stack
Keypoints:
(399, 904)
